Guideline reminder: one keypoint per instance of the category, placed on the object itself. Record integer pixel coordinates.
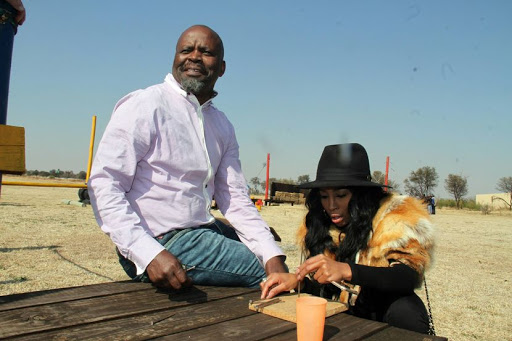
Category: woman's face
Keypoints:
(335, 203)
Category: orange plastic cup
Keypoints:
(310, 318)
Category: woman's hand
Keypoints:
(276, 283)
(325, 270)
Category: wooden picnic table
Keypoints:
(138, 311)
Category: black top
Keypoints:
(380, 286)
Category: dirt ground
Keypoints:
(46, 241)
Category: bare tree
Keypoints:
(457, 186)
(505, 185)
(256, 183)
(380, 178)
(421, 182)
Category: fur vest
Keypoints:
(401, 232)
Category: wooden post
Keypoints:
(266, 181)
(387, 173)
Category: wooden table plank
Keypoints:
(171, 321)
(393, 333)
(264, 327)
(338, 327)
(69, 294)
(53, 316)
(254, 327)
(346, 327)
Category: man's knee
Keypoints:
(408, 312)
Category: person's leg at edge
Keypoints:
(7, 32)
(408, 312)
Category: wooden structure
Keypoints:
(138, 311)
(285, 193)
(12, 149)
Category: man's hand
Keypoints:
(275, 264)
(18, 6)
(165, 271)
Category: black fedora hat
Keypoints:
(343, 165)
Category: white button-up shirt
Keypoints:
(161, 159)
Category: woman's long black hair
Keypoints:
(362, 208)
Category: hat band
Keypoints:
(336, 174)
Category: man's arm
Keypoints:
(275, 264)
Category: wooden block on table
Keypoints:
(283, 307)
(12, 149)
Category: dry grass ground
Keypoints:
(45, 243)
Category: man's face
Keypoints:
(199, 61)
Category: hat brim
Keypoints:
(341, 183)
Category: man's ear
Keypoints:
(222, 68)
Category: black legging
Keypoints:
(408, 312)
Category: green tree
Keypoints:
(81, 175)
(421, 182)
(302, 179)
(457, 186)
(67, 174)
(45, 174)
(505, 185)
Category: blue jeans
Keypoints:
(216, 252)
(7, 32)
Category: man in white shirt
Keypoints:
(165, 153)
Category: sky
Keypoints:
(425, 83)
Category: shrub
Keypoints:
(485, 209)
(470, 204)
(446, 203)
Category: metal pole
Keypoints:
(387, 173)
(91, 148)
(266, 181)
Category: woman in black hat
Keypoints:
(364, 246)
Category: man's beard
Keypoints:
(192, 85)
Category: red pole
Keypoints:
(266, 181)
(387, 173)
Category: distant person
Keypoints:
(433, 204)
(427, 201)
(376, 244)
(165, 153)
